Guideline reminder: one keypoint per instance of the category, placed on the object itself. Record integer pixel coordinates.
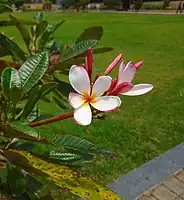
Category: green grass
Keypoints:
(145, 126)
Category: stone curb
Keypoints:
(134, 183)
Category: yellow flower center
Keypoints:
(89, 98)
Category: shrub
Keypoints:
(47, 5)
(138, 4)
(112, 4)
(18, 3)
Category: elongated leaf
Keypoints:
(34, 114)
(9, 79)
(65, 177)
(16, 181)
(46, 37)
(65, 65)
(9, 47)
(15, 95)
(31, 102)
(21, 131)
(3, 174)
(60, 103)
(47, 88)
(54, 153)
(78, 49)
(5, 8)
(10, 23)
(41, 27)
(58, 25)
(98, 51)
(39, 17)
(102, 50)
(35, 95)
(33, 70)
(91, 33)
(73, 142)
(22, 29)
(7, 2)
(69, 156)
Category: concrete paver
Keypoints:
(163, 193)
(174, 185)
(169, 189)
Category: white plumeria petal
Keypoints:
(126, 74)
(106, 103)
(139, 89)
(83, 115)
(101, 85)
(79, 79)
(76, 100)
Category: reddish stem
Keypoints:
(51, 120)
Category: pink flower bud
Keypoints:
(89, 63)
(114, 63)
(139, 64)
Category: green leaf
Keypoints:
(21, 131)
(10, 23)
(91, 33)
(33, 70)
(22, 29)
(35, 95)
(48, 45)
(33, 115)
(71, 141)
(102, 50)
(46, 37)
(60, 103)
(57, 26)
(65, 65)
(5, 8)
(41, 28)
(69, 156)
(39, 16)
(47, 88)
(54, 153)
(9, 79)
(9, 47)
(3, 174)
(15, 95)
(75, 143)
(65, 177)
(31, 102)
(16, 181)
(78, 49)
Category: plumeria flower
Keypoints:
(89, 95)
(123, 84)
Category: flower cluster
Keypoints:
(102, 93)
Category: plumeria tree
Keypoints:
(36, 164)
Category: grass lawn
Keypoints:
(145, 126)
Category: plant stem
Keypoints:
(51, 120)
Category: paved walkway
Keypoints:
(136, 182)
(169, 189)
